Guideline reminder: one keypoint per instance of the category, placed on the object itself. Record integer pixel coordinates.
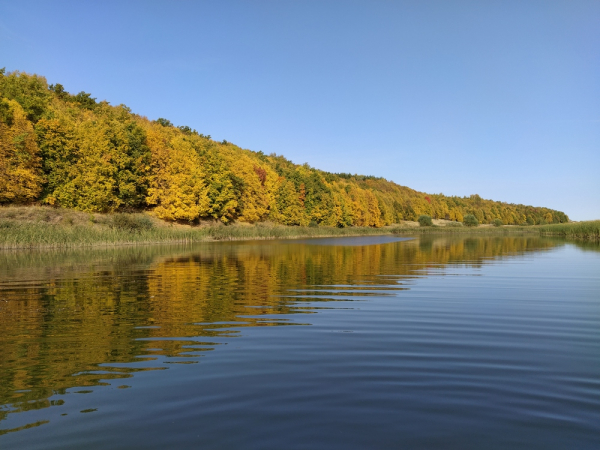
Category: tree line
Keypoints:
(73, 151)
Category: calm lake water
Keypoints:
(350, 343)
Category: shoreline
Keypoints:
(24, 228)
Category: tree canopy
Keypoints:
(73, 151)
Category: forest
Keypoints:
(72, 151)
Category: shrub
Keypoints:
(470, 220)
(498, 223)
(313, 224)
(425, 221)
(454, 224)
(131, 222)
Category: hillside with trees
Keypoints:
(75, 152)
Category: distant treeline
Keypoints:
(75, 152)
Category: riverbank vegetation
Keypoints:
(52, 227)
(578, 230)
(48, 227)
(72, 151)
(589, 230)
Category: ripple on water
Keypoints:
(436, 342)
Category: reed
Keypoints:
(459, 229)
(577, 230)
(574, 230)
(39, 227)
(46, 227)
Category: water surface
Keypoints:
(349, 343)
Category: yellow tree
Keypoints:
(387, 210)
(373, 211)
(59, 151)
(255, 195)
(20, 164)
(288, 206)
(359, 207)
(93, 186)
(177, 184)
(94, 160)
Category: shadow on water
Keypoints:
(73, 320)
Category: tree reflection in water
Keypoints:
(91, 317)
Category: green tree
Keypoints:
(30, 91)
(470, 220)
(425, 221)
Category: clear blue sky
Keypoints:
(461, 97)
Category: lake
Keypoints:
(436, 342)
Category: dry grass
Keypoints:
(44, 226)
(41, 226)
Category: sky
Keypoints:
(499, 98)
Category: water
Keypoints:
(349, 343)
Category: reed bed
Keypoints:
(41, 227)
(577, 230)
(40, 235)
(46, 227)
(574, 230)
(459, 229)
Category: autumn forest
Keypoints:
(73, 151)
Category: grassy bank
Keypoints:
(460, 229)
(578, 230)
(575, 230)
(39, 227)
(46, 227)
(441, 226)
